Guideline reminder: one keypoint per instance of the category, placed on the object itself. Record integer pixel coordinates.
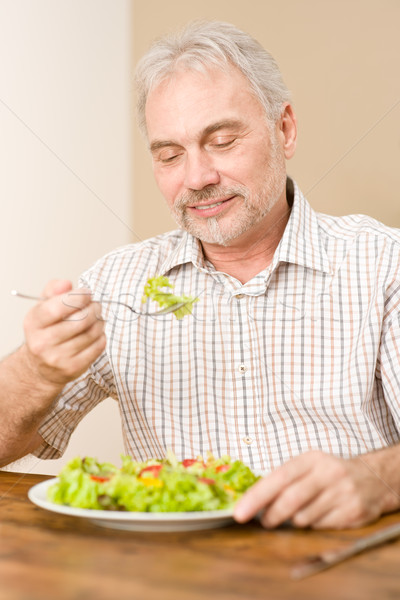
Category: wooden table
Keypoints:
(48, 556)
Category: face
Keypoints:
(217, 161)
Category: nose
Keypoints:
(200, 171)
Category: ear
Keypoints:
(287, 130)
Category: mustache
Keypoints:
(209, 193)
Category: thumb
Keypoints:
(56, 287)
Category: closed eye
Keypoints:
(222, 142)
(167, 157)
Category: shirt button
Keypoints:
(242, 369)
(248, 440)
(239, 296)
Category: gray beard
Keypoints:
(254, 209)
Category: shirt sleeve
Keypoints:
(388, 365)
(76, 400)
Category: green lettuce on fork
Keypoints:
(155, 289)
(165, 485)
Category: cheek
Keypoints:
(168, 183)
(244, 172)
(246, 164)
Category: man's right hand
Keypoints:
(64, 335)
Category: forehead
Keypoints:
(189, 101)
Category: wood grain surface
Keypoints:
(48, 556)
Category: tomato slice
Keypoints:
(207, 480)
(222, 468)
(152, 469)
(99, 478)
(188, 462)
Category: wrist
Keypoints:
(30, 376)
(383, 466)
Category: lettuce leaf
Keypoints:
(155, 290)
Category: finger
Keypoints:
(326, 484)
(338, 511)
(266, 490)
(335, 495)
(293, 500)
(72, 367)
(45, 339)
(56, 287)
(74, 325)
(345, 501)
(59, 308)
(337, 518)
(82, 361)
(75, 345)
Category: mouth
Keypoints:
(212, 208)
(208, 205)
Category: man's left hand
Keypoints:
(322, 491)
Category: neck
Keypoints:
(250, 254)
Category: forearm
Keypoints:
(383, 466)
(25, 399)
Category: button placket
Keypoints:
(241, 334)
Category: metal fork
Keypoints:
(161, 312)
(329, 558)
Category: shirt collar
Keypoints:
(301, 242)
(189, 249)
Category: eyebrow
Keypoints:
(224, 124)
(158, 144)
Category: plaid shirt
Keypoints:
(306, 355)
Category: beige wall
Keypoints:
(65, 163)
(341, 60)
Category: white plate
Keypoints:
(134, 521)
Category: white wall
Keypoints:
(65, 163)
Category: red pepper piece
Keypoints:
(207, 480)
(153, 469)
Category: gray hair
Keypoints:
(204, 43)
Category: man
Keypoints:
(290, 360)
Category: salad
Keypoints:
(155, 290)
(155, 485)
